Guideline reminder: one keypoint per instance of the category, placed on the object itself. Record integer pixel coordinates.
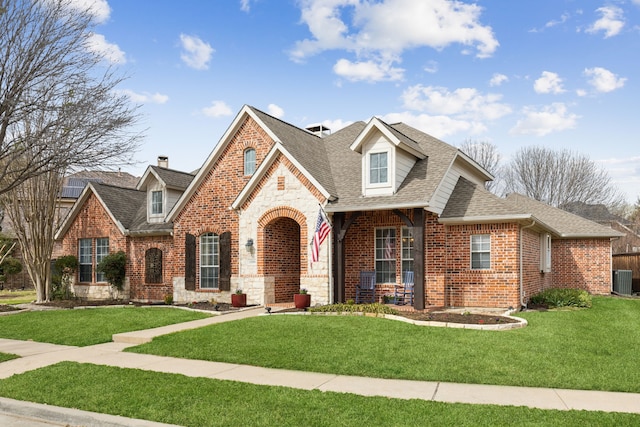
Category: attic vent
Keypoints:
(320, 130)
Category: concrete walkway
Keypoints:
(36, 355)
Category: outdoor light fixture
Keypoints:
(249, 243)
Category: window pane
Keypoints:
(378, 168)
(407, 251)
(209, 261)
(156, 202)
(481, 251)
(249, 161)
(102, 250)
(85, 261)
(385, 253)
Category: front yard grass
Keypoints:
(202, 402)
(590, 349)
(17, 297)
(88, 326)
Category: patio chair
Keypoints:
(366, 289)
(404, 294)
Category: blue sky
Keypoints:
(562, 74)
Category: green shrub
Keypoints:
(355, 308)
(113, 266)
(63, 269)
(562, 297)
(9, 267)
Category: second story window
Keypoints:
(378, 168)
(156, 202)
(249, 161)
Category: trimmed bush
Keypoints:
(562, 297)
(356, 308)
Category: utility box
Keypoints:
(622, 280)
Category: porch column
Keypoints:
(418, 259)
(338, 258)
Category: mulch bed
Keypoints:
(470, 318)
(4, 308)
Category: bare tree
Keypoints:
(559, 177)
(59, 111)
(486, 155)
(46, 69)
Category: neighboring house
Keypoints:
(629, 242)
(399, 200)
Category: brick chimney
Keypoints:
(163, 162)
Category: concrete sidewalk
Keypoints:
(36, 355)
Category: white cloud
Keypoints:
(497, 79)
(432, 66)
(611, 21)
(548, 83)
(98, 8)
(369, 71)
(581, 92)
(245, 5)
(336, 125)
(196, 53)
(603, 80)
(97, 44)
(465, 103)
(145, 97)
(217, 109)
(550, 118)
(381, 31)
(275, 111)
(438, 126)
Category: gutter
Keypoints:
(523, 304)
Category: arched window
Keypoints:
(249, 161)
(153, 265)
(209, 261)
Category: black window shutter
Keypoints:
(225, 261)
(190, 262)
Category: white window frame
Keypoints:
(408, 251)
(209, 261)
(157, 206)
(102, 250)
(385, 265)
(370, 169)
(85, 258)
(545, 253)
(249, 164)
(480, 247)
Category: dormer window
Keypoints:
(249, 161)
(378, 168)
(156, 203)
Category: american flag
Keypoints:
(322, 231)
(388, 247)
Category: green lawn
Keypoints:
(591, 349)
(200, 402)
(88, 326)
(5, 356)
(17, 297)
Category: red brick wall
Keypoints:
(208, 209)
(497, 286)
(583, 264)
(281, 254)
(93, 222)
(150, 292)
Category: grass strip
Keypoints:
(590, 349)
(6, 356)
(201, 402)
(88, 326)
(17, 297)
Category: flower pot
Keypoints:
(239, 300)
(302, 300)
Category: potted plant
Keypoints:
(239, 299)
(302, 299)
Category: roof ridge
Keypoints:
(284, 122)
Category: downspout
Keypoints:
(523, 304)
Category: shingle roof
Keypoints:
(75, 183)
(305, 147)
(128, 206)
(564, 223)
(173, 178)
(469, 200)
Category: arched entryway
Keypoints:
(281, 257)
